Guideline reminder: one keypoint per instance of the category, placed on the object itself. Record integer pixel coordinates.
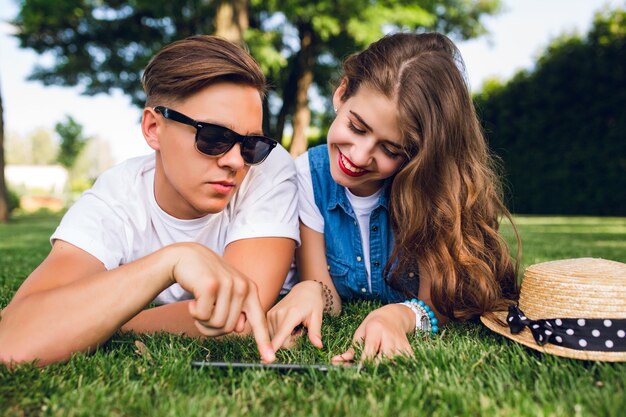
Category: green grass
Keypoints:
(465, 370)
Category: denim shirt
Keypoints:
(344, 249)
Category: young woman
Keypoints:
(401, 204)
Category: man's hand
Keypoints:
(221, 295)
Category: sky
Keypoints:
(516, 38)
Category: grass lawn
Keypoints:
(464, 370)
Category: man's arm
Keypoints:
(71, 304)
(266, 261)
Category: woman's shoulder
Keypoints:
(317, 157)
(319, 151)
(313, 159)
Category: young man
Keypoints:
(205, 227)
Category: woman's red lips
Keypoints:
(348, 167)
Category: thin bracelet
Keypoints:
(328, 298)
(425, 320)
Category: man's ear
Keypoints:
(339, 92)
(150, 127)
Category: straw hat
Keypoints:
(574, 308)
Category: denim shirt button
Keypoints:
(376, 263)
(411, 274)
(363, 289)
(374, 228)
(358, 259)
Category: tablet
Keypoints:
(281, 367)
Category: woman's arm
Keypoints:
(305, 303)
(312, 264)
(384, 331)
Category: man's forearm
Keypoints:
(50, 325)
(171, 318)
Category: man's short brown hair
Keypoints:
(185, 67)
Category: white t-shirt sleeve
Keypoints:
(308, 211)
(88, 225)
(266, 204)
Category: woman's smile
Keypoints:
(348, 167)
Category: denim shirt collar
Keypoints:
(338, 197)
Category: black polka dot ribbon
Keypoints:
(605, 335)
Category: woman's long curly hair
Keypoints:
(446, 200)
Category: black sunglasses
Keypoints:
(216, 140)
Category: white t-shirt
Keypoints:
(311, 216)
(119, 220)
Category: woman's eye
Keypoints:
(355, 129)
(387, 150)
(390, 152)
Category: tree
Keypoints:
(38, 148)
(94, 159)
(231, 20)
(105, 45)
(328, 30)
(72, 142)
(4, 200)
(43, 147)
(559, 128)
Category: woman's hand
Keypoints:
(303, 305)
(382, 334)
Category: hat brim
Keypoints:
(525, 337)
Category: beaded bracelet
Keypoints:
(425, 319)
(328, 298)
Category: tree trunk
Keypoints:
(4, 203)
(289, 100)
(231, 20)
(302, 113)
(267, 129)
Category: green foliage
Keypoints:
(38, 148)
(466, 370)
(79, 185)
(94, 159)
(72, 141)
(104, 45)
(43, 147)
(266, 47)
(339, 28)
(13, 200)
(382, 16)
(559, 128)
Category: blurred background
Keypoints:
(548, 78)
